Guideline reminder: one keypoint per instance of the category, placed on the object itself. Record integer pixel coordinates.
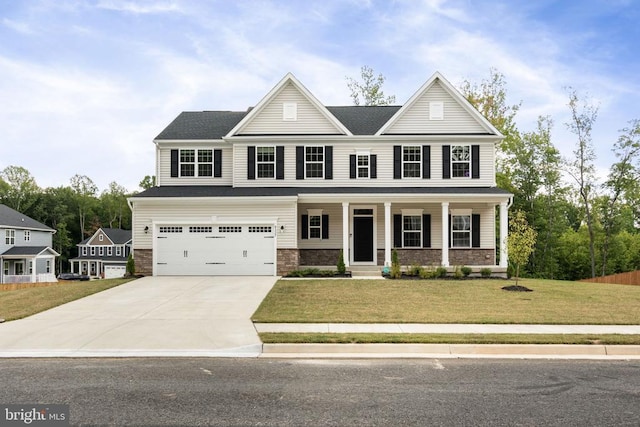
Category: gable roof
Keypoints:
(453, 93)
(117, 235)
(289, 79)
(201, 125)
(19, 251)
(364, 120)
(11, 218)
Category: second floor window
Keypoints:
(196, 163)
(411, 161)
(265, 162)
(84, 250)
(118, 250)
(460, 161)
(93, 251)
(109, 251)
(27, 235)
(314, 162)
(10, 237)
(362, 165)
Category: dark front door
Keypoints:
(362, 239)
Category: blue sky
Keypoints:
(85, 85)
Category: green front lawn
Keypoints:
(26, 302)
(448, 301)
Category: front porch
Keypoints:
(28, 265)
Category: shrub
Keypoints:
(427, 273)
(457, 272)
(395, 273)
(131, 266)
(342, 269)
(466, 271)
(441, 272)
(486, 272)
(414, 270)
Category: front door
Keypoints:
(363, 238)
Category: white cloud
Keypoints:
(139, 7)
(20, 27)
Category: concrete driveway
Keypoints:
(151, 316)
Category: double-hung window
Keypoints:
(315, 226)
(461, 231)
(109, 251)
(118, 250)
(412, 231)
(460, 161)
(314, 162)
(84, 251)
(363, 165)
(196, 163)
(10, 237)
(27, 235)
(266, 162)
(411, 161)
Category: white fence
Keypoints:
(28, 278)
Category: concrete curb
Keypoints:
(502, 351)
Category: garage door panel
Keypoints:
(215, 250)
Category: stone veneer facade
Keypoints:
(143, 259)
(288, 261)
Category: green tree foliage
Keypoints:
(85, 191)
(19, 188)
(520, 242)
(368, 91)
(147, 182)
(114, 205)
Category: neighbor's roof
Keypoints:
(228, 191)
(28, 251)
(11, 218)
(359, 120)
(117, 235)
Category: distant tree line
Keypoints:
(75, 211)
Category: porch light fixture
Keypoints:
(146, 229)
(282, 228)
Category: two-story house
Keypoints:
(290, 183)
(25, 249)
(104, 254)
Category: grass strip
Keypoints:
(26, 302)
(314, 338)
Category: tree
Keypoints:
(369, 90)
(85, 191)
(20, 188)
(622, 180)
(114, 204)
(147, 182)
(581, 168)
(521, 241)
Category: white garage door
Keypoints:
(114, 271)
(206, 250)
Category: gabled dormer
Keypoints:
(289, 109)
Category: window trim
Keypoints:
(366, 154)
(196, 163)
(404, 162)
(314, 213)
(10, 236)
(27, 235)
(258, 147)
(467, 162)
(118, 250)
(84, 251)
(93, 251)
(469, 215)
(110, 251)
(307, 163)
(412, 213)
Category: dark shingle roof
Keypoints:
(202, 125)
(216, 124)
(228, 191)
(12, 218)
(25, 250)
(364, 120)
(116, 235)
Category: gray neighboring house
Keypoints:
(25, 249)
(104, 254)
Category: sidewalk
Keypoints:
(502, 351)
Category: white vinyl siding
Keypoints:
(164, 166)
(270, 119)
(416, 119)
(384, 151)
(210, 210)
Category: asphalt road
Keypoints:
(262, 392)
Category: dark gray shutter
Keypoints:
(446, 161)
(397, 162)
(449, 233)
(475, 161)
(328, 162)
(426, 231)
(174, 163)
(426, 162)
(299, 162)
(279, 162)
(352, 166)
(217, 163)
(251, 162)
(475, 230)
(374, 165)
(304, 227)
(397, 231)
(325, 226)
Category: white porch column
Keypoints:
(504, 231)
(33, 269)
(445, 234)
(345, 233)
(387, 234)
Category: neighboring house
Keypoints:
(104, 254)
(25, 249)
(290, 183)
